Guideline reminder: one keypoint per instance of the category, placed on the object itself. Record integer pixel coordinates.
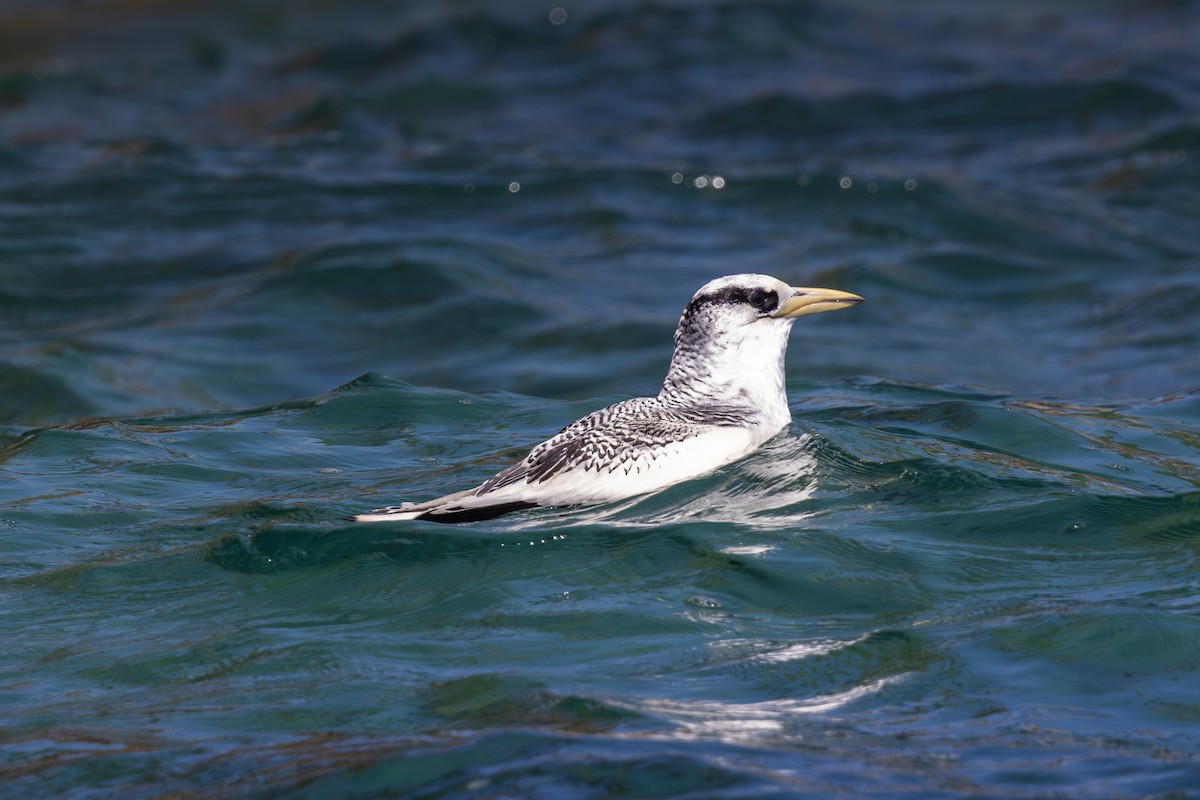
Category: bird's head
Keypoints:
(724, 304)
(733, 335)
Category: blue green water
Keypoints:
(264, 265)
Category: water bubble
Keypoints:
(468, 188)
(872, 187)
(702, 181)
(718, 182)
(910, 184)
(558, 16)
(514, 187)
(677, 177)
(845, 183)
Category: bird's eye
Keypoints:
(763, 300)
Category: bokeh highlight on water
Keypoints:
(268, 264)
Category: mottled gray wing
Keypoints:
(612, 437)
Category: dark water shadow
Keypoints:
(278, 546)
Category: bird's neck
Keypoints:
(743, 371)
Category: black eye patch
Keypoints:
(763, 300)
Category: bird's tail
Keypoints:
(388, 514)
(406, 510)
(459, 507)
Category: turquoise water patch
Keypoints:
(264, 268)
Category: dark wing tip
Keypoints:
(459, 514)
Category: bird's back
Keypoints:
(633, 446)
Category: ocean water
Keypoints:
(266, 264)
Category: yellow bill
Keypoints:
(814, 301)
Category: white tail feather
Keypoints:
(407, 510)
(386, 516)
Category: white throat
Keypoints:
(732, 362)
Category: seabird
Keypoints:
(723, 397)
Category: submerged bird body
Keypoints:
(723, 397)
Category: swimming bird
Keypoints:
(723, 397)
